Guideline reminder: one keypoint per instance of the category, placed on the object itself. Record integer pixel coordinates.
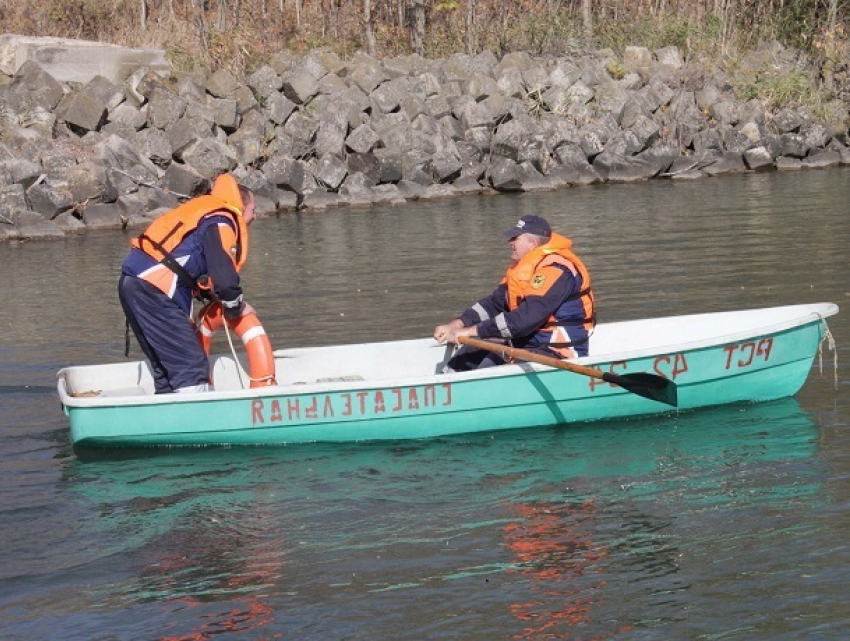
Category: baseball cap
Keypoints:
(530, 225)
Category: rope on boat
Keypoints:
(830, 341)
(259, 380)
(232, 349)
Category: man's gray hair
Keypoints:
(541, 240)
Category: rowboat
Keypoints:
(396, 390)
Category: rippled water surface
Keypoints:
(729, 523)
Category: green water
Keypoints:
(730, 523)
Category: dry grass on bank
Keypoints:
(240, 34)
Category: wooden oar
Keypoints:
(651, 386)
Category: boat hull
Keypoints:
(761, 366)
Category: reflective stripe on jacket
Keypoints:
(182, 233)
(528, 278)
(167, 232)
(176, 254)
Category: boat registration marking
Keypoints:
(671, 366)
(747, 352)
(371, 403)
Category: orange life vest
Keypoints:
(165, 233)
(523, 279)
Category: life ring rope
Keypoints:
(261, 362)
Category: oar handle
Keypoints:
(532, 357)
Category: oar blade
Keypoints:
(651, 386)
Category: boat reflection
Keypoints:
(232, 539)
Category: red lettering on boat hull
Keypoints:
(362, 404)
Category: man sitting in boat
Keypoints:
(543, 304)
(200, 245)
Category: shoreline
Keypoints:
(313, 132)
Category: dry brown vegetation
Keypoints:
(240, 34)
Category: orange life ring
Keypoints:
(261, 364)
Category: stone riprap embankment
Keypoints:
(316, 131)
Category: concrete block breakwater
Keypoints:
(316, 131)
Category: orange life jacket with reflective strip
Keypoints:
(520, 279)
(165, 233)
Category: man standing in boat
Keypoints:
(543, 304)
(196, 248)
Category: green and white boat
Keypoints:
(395, 390)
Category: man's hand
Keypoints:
(457, 332)
(442, 332)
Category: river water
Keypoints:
(728, 523)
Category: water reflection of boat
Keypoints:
(558, 514)
(142, 490)
(392, 391)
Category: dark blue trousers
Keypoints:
(468, 358)
(165, 335)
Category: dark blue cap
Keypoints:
(530, 225)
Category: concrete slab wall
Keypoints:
(77, 60)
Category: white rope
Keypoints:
(830, 341)
(232, 350)
(230, 342)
